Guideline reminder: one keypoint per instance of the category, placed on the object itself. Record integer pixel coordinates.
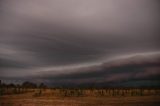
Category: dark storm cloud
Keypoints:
(133, 69)
(38, 35)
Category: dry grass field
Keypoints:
(75, 97)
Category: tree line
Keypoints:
(110, 92)
(39, 90)
(26, 86)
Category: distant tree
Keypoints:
(0, 88)
(18, 88)
(0, 83)
(11, 85)
(29, 85)
(42, 85)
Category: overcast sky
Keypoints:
(40, 35)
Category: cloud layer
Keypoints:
(60, 36)
(135, 68)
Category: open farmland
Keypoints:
(82, 97)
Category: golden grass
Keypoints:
(57, 97)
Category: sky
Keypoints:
(59, 37)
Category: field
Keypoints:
(80, 97)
